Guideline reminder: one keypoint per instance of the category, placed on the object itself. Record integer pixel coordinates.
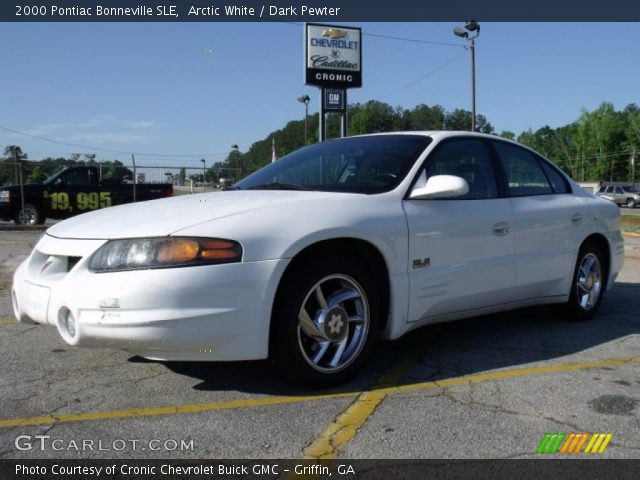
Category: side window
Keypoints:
(558, 182)
(602, 189)
(619, 191)
(76, 178)
(523, 171)
(467, 159)
(609, 189)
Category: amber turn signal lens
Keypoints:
(217, 245)
(219, 254)
(179, 250)
(219, 250)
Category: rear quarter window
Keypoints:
(558, 182)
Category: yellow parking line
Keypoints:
(340, 432)
(168, 410)
(350, 423)
(346, 425)
(7, 322)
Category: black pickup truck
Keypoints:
(72, 191)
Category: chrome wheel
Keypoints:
(28, 216)
(333, 323)
(589, 281)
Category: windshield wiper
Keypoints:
(277, 186)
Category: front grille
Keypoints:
(71, 262)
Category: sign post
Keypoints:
(333, 62)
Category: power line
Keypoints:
(142, 154)
(414, 40)
(400, 39)
(425, 76)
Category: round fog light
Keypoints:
(66, 324)
(14, 304)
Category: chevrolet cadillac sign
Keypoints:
(333, 56)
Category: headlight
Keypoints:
(165, 252)
(5, 196)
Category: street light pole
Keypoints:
(472, 45)
(305, 99)
(471, 27)
(238, 161)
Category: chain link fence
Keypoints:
(184, 179)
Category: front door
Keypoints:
(461, 250)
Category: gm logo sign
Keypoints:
(334, 99)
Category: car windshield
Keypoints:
(372, 164)
(633, 189)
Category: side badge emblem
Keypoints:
(425, 262)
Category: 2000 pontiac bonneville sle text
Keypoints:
(311, 259)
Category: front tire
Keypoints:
(588, 283)
(325, 321)
(631, 203)
(29, 215)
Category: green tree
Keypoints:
(423, 117)
(36, 175)
(508, 134)
(460, 119)
(373, 117)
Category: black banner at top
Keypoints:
(317, 10)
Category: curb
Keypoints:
(631, 234)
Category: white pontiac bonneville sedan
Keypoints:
(312, 258)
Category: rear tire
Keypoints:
(29, 215)
(588, 283)
(325, 321)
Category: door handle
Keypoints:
(501, 228)
(576, 219)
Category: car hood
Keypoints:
(169, 215)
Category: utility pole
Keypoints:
(204, 173)
(133, 159)
(633, 167)
(15, 165)
(19, 177)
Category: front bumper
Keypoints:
(215, 312)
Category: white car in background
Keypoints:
(312, 258)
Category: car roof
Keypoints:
(439, 134)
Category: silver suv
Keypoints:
(628, 195)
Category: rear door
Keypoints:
(546, 225)
(460, 249)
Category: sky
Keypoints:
(174, 93)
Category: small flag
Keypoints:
(273, 150)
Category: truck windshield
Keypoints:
(372, 164)
(53, 177)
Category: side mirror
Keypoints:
(58, 181)
(440, 186)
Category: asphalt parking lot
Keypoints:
(488, 387)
